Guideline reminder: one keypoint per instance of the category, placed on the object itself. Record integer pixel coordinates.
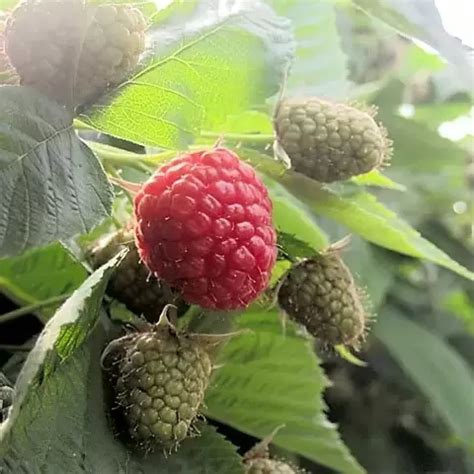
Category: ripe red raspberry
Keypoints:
(204, 226)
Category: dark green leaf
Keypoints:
(269, 378)
(52, 186)
(198, 76)
(37, 385)
(438, 371)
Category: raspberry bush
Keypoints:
(174, 186)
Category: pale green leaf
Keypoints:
(320, 67)
(198, 76)
(364, 215)
(292, 217)
(269, 378)
(377, 179)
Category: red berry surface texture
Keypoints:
(204, 226)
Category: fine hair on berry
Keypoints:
(204, 226)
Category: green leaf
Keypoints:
(52, 186)
(269, 378)
(320, 66)
(248, 122)
(433, 115)
(374, 270)
(8, 4)
(294, 247)
(377, 179)
(39, 275)
(62, 337)
(292, 217)
(59, 423)
(175, 11)
(363, 214)
(458, 303)
(198, 76)
(438, 371)
(430, 166)
(418, 60)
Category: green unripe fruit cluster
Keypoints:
(320, 294)
(73, 51)
(131, 282)
(329, 141)
(160, 387)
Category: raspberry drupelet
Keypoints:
(204, 226)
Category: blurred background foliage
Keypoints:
(410, 408)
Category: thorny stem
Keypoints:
(10, 316)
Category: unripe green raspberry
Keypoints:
(131, 283)
(258, 460)
(320, 293)
(267, 466)
(162, 378)
(73, 51)
(373, 51)
(328, 141)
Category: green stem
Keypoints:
(122, 158)
(32, 307)
(78, 125)
(240, 137)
